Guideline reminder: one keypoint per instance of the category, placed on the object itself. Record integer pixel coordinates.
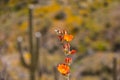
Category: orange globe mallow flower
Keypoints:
(64, 69)
(68, 38)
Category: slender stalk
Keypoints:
(55, 73)
(68, 78)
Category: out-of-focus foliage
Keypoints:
(94, 23)
(78, 16)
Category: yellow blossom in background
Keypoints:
(68, 11)
(74, 19)
(27, 57)
(54, 7)
(13, 2)
(84, 12)
(49, 9)
(23, 26)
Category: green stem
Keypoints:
(68, 77)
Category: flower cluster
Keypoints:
(65, 39)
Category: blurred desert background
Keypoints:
(95, 25)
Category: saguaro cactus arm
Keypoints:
(30, 30)
(37, 35)
(19, 41)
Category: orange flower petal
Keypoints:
(72, 51)
(68, 38)
(64, 69)
(60, 38)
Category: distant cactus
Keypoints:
(34, 52)
(4, 73)
(114, 68)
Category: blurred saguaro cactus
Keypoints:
(4, 73)
(114, 68)
(34, 51)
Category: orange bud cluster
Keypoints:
(65, 38)
(68, 60)
(66, 48)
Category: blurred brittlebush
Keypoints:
(23, 26)
(27, 57)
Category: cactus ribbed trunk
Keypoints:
(34, 52)
(37, 49)
(32, 69)
(114, 69)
